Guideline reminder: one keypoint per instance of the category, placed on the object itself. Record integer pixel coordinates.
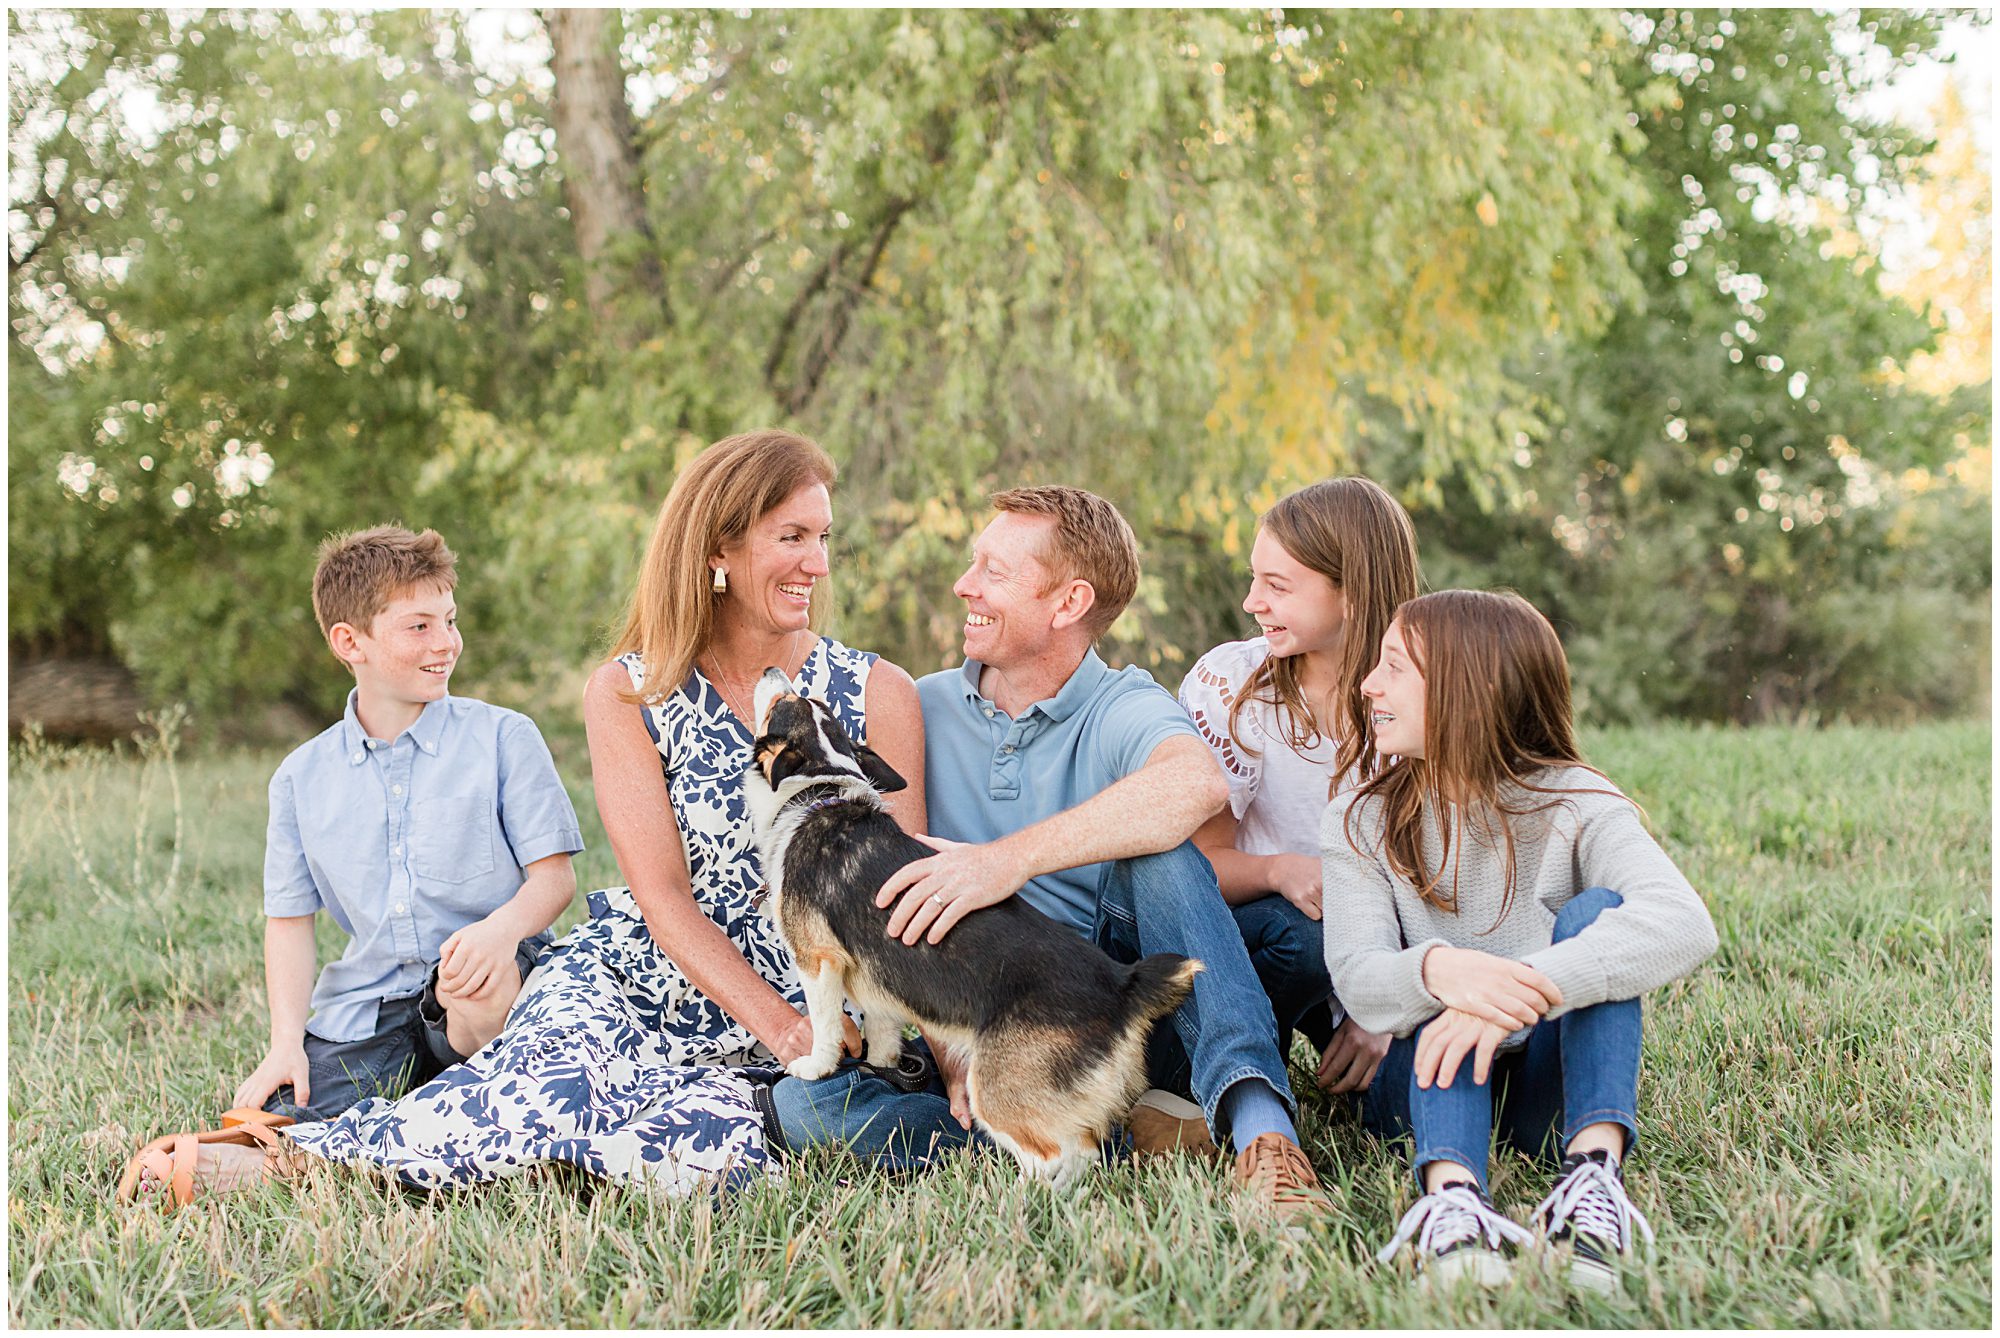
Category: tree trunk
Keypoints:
(601, 178)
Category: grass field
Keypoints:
(1816, 1104)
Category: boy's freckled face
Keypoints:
(411, 648)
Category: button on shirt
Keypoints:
(406, 841)
(987, 776)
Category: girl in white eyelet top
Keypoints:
(1284, 715)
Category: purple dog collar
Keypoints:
(827, 802)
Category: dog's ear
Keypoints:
(885, 778)
(784, 761)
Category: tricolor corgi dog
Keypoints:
(1053, 1031)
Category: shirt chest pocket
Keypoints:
(451, 840)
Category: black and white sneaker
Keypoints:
(1589, 1212)
(1457, 1234)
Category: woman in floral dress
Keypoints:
(642, 1045)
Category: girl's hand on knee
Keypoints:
(1447, 1039)
(1297, 878)
(1504, 992)
(1352, 1057)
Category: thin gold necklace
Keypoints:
(734, 700)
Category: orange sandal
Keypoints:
(239, 1115)
(172, 1158)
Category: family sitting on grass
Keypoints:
(1371, 823)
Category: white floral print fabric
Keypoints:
(612, 1061)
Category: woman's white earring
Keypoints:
(721, 581)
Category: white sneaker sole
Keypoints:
(1168, 1104)
(1588, 1275)
(1488, 1268)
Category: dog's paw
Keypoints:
(811, 1068)
(885, 1056)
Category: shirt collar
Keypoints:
(968, 680)
(1082, 684)
(425, 732)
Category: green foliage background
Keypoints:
(278, 274)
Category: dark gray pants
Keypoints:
(407, 1050)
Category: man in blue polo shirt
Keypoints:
(1078, 786)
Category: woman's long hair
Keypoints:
(1359, 537)
(1496, 712)
(719, 495)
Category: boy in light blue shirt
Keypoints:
(432, 828)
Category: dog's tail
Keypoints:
(1157, 985)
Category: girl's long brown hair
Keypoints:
(719, 495)
(1359, 537)
(1496, 712)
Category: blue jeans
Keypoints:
(1287, 949)
(876, 1120)
(1224, 1033)
(1576, 1070)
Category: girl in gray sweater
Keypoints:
(1500, 908)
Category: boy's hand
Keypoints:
(284, 1064)
(475, 959)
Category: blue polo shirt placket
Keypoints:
(1009, 746)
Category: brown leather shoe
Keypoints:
(1162, 1124)
(1274, 1171)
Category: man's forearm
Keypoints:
(1154, 809)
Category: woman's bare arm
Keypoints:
(896, 731)
(639, 820)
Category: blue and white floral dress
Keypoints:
(612, 1060)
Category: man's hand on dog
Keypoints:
(940, 891)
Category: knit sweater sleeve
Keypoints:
(1661, 932)
(1378, 980)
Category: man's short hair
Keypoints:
(358, 574)
(1092, 543)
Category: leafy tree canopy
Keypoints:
(1586, 288)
